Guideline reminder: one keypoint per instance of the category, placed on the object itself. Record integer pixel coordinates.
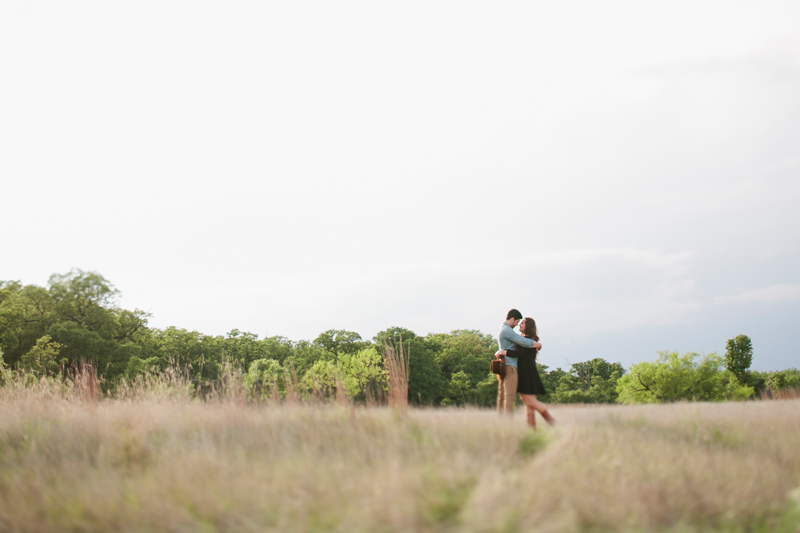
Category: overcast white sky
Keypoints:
(626, 172)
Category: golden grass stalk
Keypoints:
(789, 393)
(341, 390)
(291, 385)
(85, 380)
(167, 385)
(231, 385)
(396, 361)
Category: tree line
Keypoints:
(50, 331)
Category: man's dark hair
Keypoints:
(516, 315)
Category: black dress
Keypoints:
(529, 380)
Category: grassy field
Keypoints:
(178, 465)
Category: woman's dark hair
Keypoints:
(528, 328)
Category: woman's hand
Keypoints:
(500, 353)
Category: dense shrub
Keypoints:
(673, 377)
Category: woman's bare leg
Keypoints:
(533, 405)
(531, 416)
(529, 409)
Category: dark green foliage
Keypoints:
(758, 381)
(460, 390)
(191, 353)
(772, 383)
(550, 379)
(464, 351)
(338, 341)
(463, 357)
(426, 385)
(139, 367)
(25, 314)
(739, 356)
(304, 355)
(486, 391)
(78, 312)
(592, 381)
(782, 380)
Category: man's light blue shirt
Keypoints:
(508, 339)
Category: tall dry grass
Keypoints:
(163, 462)
(397, 363)
(789, 393)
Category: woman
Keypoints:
(530, 384)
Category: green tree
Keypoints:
(263, 377)
(356, 374)
(89, 325)
(363, 373)
(783, 379)
(426, 386)
(338, 341)
(190, 352)
(277, 348)
(323, 379)
(5, 372)
(43, 359)
(26, 312)
(739, 356)
(467, 351)
(304, 355)
(141, 367)
(486, 391)
(591, 381)
(78, 312)
(675, 377)
(757, 380)
(241, 348)
(460, 390)
(550, 379)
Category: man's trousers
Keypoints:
(507, 391)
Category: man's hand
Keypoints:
(537, 345)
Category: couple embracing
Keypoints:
(521, 374)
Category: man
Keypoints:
(508, 339)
